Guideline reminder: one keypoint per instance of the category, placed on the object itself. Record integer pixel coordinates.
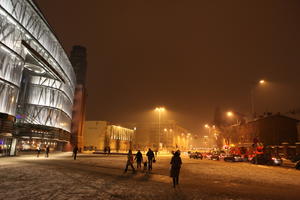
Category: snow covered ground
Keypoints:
(101, 177)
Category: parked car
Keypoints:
(234, 158)
(298, 165)
(296, 159)
(196, 155)
(277, 161)
(215, 157)
(263, 159)
(207, 155)
(222, 155)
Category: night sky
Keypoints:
(190, 56)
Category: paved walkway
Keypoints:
(101, 177)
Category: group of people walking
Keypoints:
(138, 157)
(176, 163)
(47, 151)
(139, 160)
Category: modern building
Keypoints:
(100, 134)
(37, 81)
(79, 61)
(167, 136)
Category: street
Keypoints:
(102, 177)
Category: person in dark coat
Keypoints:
(145, 166)
(38, 151)
(150, 156)
(139, 159)
(108, 150)
(75, 151)
(175, 167)
(129, 162)
(47, 151)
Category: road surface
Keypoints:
(101, 177)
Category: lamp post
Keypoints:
(209, 138)
(189, 139)
(207, 127)
(261, 82)
(159, 110)
(232, 114)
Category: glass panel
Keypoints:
(43, 96)
(11, 66)
(35, 26)
(8, 101)
(46, 116)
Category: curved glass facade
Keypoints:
(37, 80)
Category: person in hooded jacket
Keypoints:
(175, 167)
(151, 158)
(139, 159)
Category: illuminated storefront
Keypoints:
(120, 138)
(37, 80)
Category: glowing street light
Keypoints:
(229, 113)
(208, 127)
(261, 82)
(159, 110)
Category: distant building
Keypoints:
(79, 62)
(296, 115)
(100, 134)
(169, 137)
(269, 130)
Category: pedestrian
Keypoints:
(38, 151)
(108, 150)
(175, 167)
(105, 149)
(145, 166)
(47, 151)
(139, 159)
(150, 156)
(75, 151)
(129, 162)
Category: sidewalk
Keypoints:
(42, 154)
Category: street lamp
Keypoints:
(159, 110)
(237, 115)
(261, 82)
(229, 114)
(207, 127)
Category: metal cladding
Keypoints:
(37, 80)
